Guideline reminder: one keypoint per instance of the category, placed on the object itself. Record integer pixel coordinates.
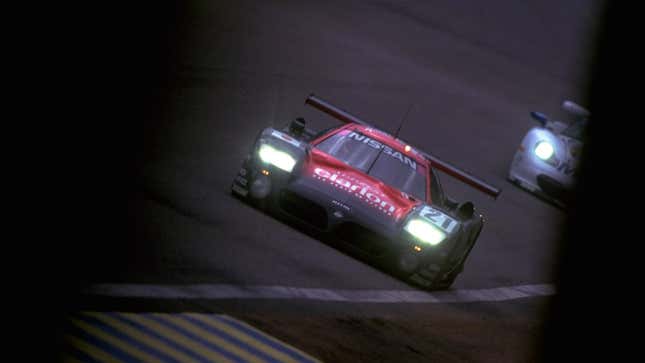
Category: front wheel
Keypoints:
(475, 226)
(407, 262)
(408, 266)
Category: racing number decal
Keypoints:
(439, 219)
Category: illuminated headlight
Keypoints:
(272, 156)
(425, 231)
(544, 150)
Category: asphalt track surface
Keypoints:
(472, 71)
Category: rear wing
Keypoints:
(575, 109)
(447, 168)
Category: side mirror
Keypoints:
(450, 203)
(575, 109)
(465, 210)
(540, 117)
(297, 127)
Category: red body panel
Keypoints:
(387, 140)
(379, 136)
(441, 165)
(358, 185)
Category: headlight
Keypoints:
(281, 159)
(544, 150)
(425, 231)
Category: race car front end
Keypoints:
(543, 164)
(382, 224)
(367, 190)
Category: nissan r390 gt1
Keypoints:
(547, 158)
(368, 190)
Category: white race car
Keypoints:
(546, 160)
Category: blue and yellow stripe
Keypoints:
(184, 337)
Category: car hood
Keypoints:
(354, 190)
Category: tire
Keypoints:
(441, 276)
(406, 263)
(477, 224)
(449, 279)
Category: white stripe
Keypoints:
(286, 138)
(222, 291)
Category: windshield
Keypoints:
(390, 166)
(575, 130)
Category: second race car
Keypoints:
(547, 158)
(367, 190)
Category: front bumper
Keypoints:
(306, 203)
(538, 177)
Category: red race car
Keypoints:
(369, 191)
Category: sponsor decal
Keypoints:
(357, 188)
(438, 218)
(386, 149)
(340, 204)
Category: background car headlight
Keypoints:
(281, 159)
(544, 150)
(425, 231)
